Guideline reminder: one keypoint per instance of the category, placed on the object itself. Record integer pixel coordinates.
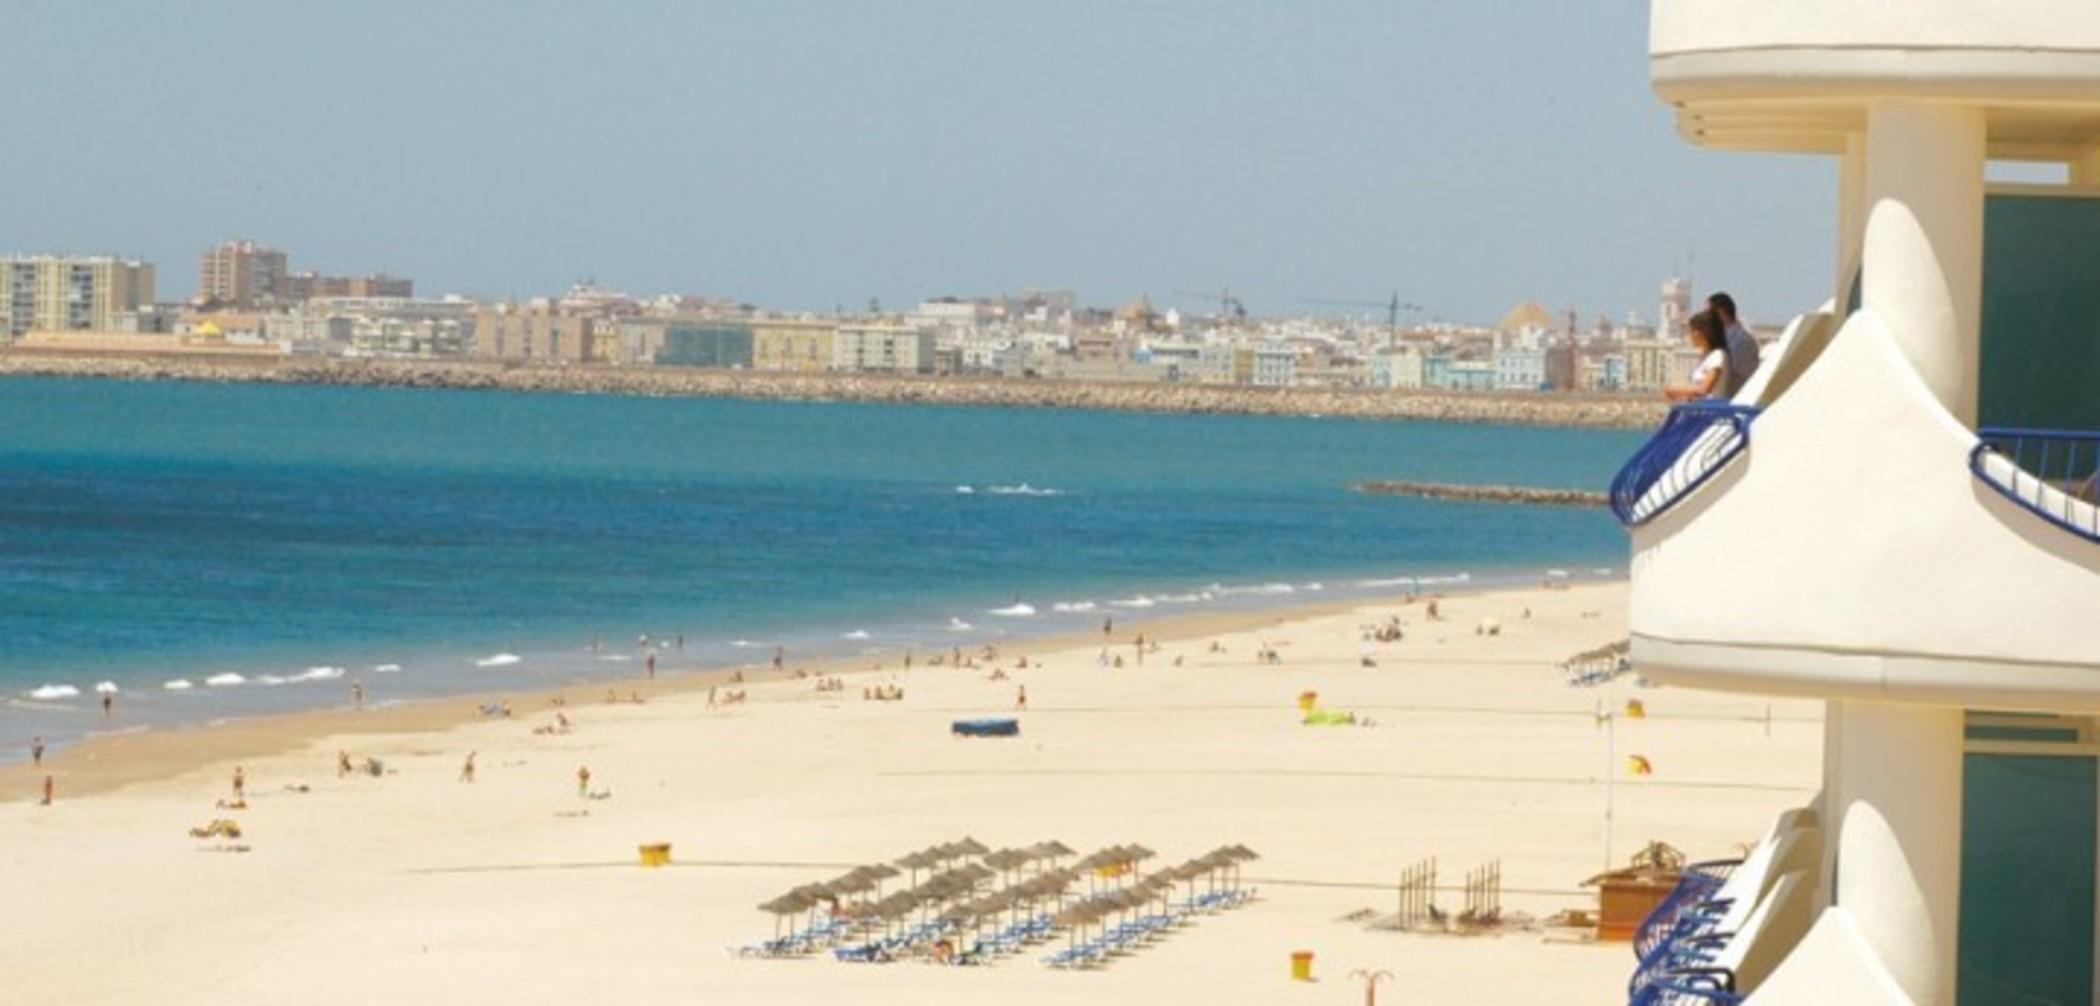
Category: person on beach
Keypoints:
(50, 791)
(109, 705)
(1739, 344)
(1108, 625)
(36, 751)
(779, 657)
(1021, 698)
(1709, 379)
(240, 785)
(583, 781)
(357, 693)
(342, 764)
(649, 666)
(710, 696)
(466, 771)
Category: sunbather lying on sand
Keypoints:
(218, 828)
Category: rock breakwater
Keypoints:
(1487, 494)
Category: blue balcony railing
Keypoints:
(2054, 474)
(1695, 442)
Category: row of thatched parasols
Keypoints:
(953, 887)
(858, 893)
(1156, 888)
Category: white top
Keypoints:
(1714, 363)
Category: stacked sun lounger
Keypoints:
(1591, 668)
(1728, 923)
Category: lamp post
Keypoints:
(1371, 980)
(1610, 722)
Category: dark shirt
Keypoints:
(1742, 360)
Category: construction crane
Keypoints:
(1392, 307)
(1229, 306)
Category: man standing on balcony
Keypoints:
(1742, 348)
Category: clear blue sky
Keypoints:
(1470, 155)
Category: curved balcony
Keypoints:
(1694, 443)
(2053, 474)
(1872, 546)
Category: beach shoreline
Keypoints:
(1461, 741)
(108, 760)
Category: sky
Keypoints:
(1467, 156)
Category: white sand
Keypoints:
(415, 888)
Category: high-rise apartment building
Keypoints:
(70, 293)
(242, 274)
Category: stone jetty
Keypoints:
(1531, 409)
(1488, 493)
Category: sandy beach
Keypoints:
(417, 887)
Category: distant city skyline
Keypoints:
(807, 156)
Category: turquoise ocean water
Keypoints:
(221, 549)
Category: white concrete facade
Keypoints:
(1836, 533)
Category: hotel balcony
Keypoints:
(1853, 539)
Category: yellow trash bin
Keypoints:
(1308, 701)
(657, 854)
(1301, 965)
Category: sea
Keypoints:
(200, 551)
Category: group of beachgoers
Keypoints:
(1728, 354)
(718, 696)
(1388, 632)
(1139, 647)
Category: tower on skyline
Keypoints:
(241, 274)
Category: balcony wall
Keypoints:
(1681, 26)
(1850, 552)
(1797, 74)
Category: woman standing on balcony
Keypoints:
(1708, 337)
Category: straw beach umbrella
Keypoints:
(1074, 921)
(782, 908)
(1049, 852)
(879, 872)
(1238, 855)
(1005, 861)
(914, 862)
